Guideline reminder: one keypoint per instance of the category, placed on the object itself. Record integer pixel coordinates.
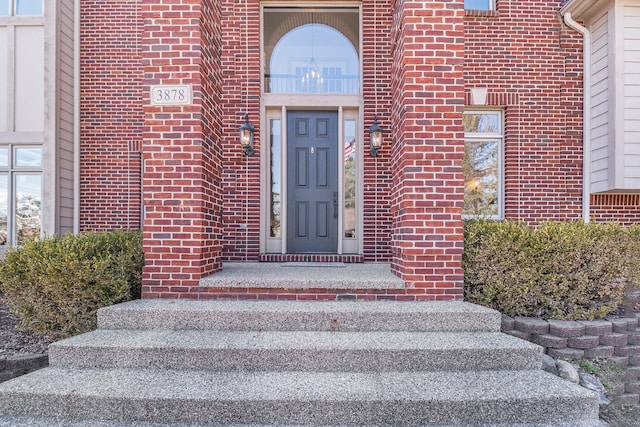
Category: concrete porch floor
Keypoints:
(303, 275)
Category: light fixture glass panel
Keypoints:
(28, 206)
(350, 178)
(275, 194)
(28, 157)
(28, 7)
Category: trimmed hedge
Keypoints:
(56, 284)
(568, 270)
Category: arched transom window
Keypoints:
(311, 50)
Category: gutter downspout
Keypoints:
(76, 116)
(586, 115)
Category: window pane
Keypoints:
(350, 159)
(481, 123)
(4, 7)
(4, 157)
(481, 178)
(28, 157)
(477, 4)
(276, 179)
(28, 203)
(28, 7)
(311, 51)
(4, 207)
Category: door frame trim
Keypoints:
(270, 112)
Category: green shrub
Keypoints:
(565, 270)
(56, 285)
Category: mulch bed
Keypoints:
(14, 341)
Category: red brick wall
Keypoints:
(428, 91)
(182, 153)
(241, 93)
(202, 195)
(111, 114)
(622, 208)
(532, 65)
(240, 59)
(377, 61)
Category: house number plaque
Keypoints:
(171, 95)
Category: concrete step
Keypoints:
(361, 316)
(50, 422)
(304, 398)
(296, 350)
(303, 275)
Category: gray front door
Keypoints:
(312, 181)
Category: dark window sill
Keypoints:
(480, 13)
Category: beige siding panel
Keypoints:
(600, 104)
(631, 101)
(29, 79)
(632, 11)
(65, 116)
(4, 75)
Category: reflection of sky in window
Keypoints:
(327, 46)
(28, 185)
(349, 139)
(4, 7)
(477, 4)
(349, 130)
(481, 123)
(4, 157)
(29, 7)
(275, 156)
(485, 155)
(28, 157)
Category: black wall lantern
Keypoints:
(246, 136)
(375, 138)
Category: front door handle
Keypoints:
(335, 204)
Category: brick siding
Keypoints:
(420, 61)
(110, 115)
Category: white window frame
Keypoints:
(500, 137)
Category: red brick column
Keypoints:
(428, 138)
(181, 147)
